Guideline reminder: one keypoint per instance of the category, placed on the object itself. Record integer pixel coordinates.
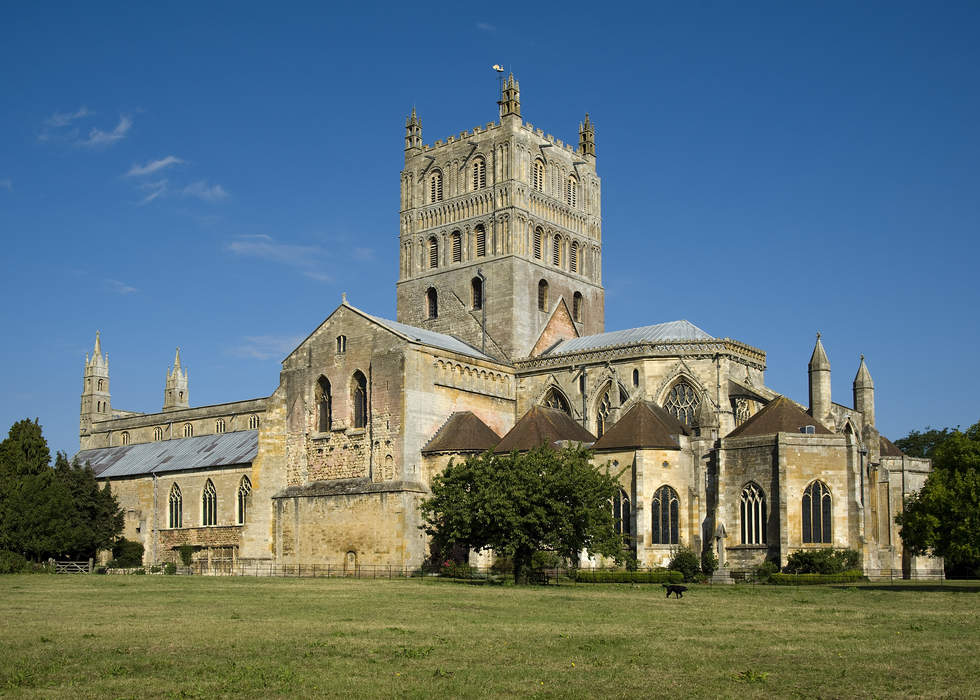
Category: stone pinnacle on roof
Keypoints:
(819, 358)
(862, 380)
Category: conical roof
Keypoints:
(818, 360)
(645, 425)
(862, 380)
(542, 426)
(779, 416)
(462, 432)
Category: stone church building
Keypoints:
(500, 344)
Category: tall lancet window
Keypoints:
(479, 174)
(752, 511)
(323, 405)
(209, 504)
(244, 489)
(176, 507)
(359, 399)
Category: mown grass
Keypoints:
(202, 637)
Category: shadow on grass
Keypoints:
(917, 586)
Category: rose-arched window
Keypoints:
(682, 402)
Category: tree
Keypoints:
(520, 503)
(917, 444)
(943, 518)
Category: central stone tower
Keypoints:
(500, 227)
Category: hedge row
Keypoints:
(661, 576)
(808, 579)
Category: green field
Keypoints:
(177, 636)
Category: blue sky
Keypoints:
(215, 175)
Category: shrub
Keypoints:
(546, 560)
(140, 572)
(455, 570)
(709, 562)
(186, 553)
(687, 562)
(764, 570)
(12, 562)
(155, 569)
(822, 561)
(502, 565)
(127, 553)
(169, 569)
(810, 579)
(655, 576)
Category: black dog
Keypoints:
(678, 591)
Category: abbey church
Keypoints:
(500, 344)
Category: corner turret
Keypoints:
(586, 137)
(413, 135)
(175, 394)
(96, 400)
(510, 98)
(819, 372)
(864, 393)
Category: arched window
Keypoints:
(253, 422)
(341, 344)
(219, 425)
(556, 251)
(431, 303)
(636, 377)
(244, 489)
(555, 399)
(435, 187)
(752, 512)
(476, 293)
(479, 174)
(457, 246)
(124, 438)
(571, 192)
(433, 253)
(176, 507)
(481, 241)
(665, 512)
(537, 242)
(324, 403)
(188, 430)
(358, 390)
(577, 307)
(682, 402)
(573, 258)
(158, 434)
(209, 504)
(622, 514)
(604, 409)
(542, 296)
(537, 176)
(817, 514)
(101, 384)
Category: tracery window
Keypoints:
(157, 434)
(435, 187)
(253, 422)
(682, 402)
(209, 504)
(431, 303)
(324, 405)
(555, 399)
(537, 243)
(433, 253)
(219, 426)
(537, 176)
(604, 409)
(571, 192)
(176, 507)
(622, 514)
(244, 489)
(188, 430)
(476, 293)
(577, 307)
(665, 510)
(742, 410)
(479, 174)
(124, 438)
(817, 514)
(359, 399)
(542, 296)
(573, 258)
(556, 252)
(752, 511)
(457, 246)
(481, 241)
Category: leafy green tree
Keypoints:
(917, 444)
(521, 503)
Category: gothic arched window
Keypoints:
(556, 251)
(571, 192)
(158, 434)
(176, 507)
(537, 242)
(542, 296)
(555, 399)
(665, 512)
(479, 174)
(124, 438)
(577, 307)
(188, 430)
(537, 176)
(431, 303)
(682, 402)
(573, 258)
(219, 426)
(435, 187)
(622, 514)
(817, 514)
(457, 246)
(324, 405)
(358, 392)
(244, 489)
(433, 252)
(209, 504)
(253, 422)
(481, 240)
(604, 409)
(752, 512)
(476, 293)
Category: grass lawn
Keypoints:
(177, 636)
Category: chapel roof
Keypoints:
(659, 332)
(778, 416)
(644, 425)
(443, 341)
(462, 432)
(887, 448)
(543, 426)
(179, 454)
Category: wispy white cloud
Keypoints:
(153, 190)
(363, 254)
(6, 184)
(120, 287)
(97, 137)
(60, 119)
(153, 166)
(485, 27)
(264, 347)
(202, 190)
(308, 259)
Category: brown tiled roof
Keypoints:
(779, 416)
(462, 432)
(645, 425)
(543, 426)
(889, 448)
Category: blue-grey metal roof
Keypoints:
(180, 454)
(657, 333)
(436, 340)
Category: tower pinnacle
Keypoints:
(176, 394)
(510, 98)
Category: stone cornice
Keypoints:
(674, 348)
